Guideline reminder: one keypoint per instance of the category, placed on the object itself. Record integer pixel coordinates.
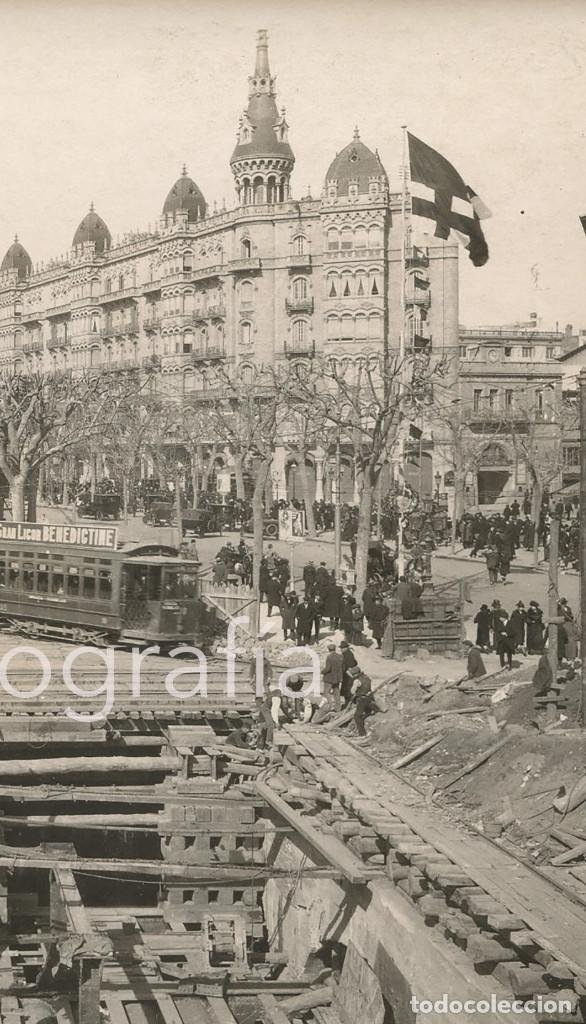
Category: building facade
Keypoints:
(510, 390)
(274, 278)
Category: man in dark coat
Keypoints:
(516, 625)
(483, 621)
(304, 620)
(378, 620)
(274, 593)
(288, 608)
(309, 577)
(332, 675)
(333, 602)
(348, 663)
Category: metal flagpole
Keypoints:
(402, 345)
(582, 393)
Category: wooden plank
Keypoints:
(221, 1011)
(328, 846)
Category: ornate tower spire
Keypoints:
(263, 160)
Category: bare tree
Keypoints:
(248, 419)
(533, 424)
(367, 401)
(44, 415)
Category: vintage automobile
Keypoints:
(201, 521)
(101, 506)
(159, 513)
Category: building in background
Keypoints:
(273, 278)
(510, 394)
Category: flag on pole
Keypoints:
(583, 223)
(439, 194)
(414, 432)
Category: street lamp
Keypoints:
(438, 480)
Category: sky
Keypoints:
(104, 100)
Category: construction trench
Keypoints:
(150, 874)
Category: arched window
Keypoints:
(333, 328)
(374, 287)
(246, 293)
(361, 283)
(300, 289)
(120, 282)
(346, 238)
(188, 341)
(346, 284)
(272, 195)
(246, 248)
(108, 287)
(259, 190)
(299, 245)
(332, 286)
(375, 326)
(246, 192)
(360, 327)
(247, 374)
(360, 238)
(347, 327)
(375, 238)
(299, 332)
(413, 327)
(333, 239)
(246, 332)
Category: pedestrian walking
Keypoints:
(332, 675)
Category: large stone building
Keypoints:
(510, 388)
(274, 278)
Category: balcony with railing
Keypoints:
(56, 341)
(496, 414)
(297, 349)
(418, 297)
(299, 305)
(151, 362)
(151, 323)
(121, 294)
(214, 311)
(244, 265)
(117, 330)
(299, 261)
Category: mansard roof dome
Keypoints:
(17, 258)
(355, 163)
(185, 195)
(260, 135)
(93, 229)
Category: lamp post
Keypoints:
(438, 480)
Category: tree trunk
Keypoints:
(306, 492)
(32, 491)
(17, 489)
(535, 510)
(239, 474)
(258, 520)
(178, 510)
(93, 475)
(459, 485)
(194, 461)
(125, 496)
(363, 532)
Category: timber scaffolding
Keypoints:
(166, 878)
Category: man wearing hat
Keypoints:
(332, 675)
(349, 667)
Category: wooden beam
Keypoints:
(328, 846)
(82, 765)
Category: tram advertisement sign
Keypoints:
(61, 533)
(291, 524)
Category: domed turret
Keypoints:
(93, 229)
(355, 168)
(262, 160)
(17, 258)
(185, 196)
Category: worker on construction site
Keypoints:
(364, 700)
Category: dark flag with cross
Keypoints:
(439, 194)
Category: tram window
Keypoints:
(42, 578)
(105, 582)
(73, 581)
(89, 583)
(28, 576)
(180, 584)
(154, 590)
(14, 575)
(57, 581)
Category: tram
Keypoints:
(74, 582)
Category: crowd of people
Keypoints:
(523, 631)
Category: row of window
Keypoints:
(354, 328)
(358, 283)
(54, 578)
(358, 237)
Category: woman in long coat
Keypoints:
(516, 625)
(378, 621)
(483, 621)
(288, 608)
(534, 628)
